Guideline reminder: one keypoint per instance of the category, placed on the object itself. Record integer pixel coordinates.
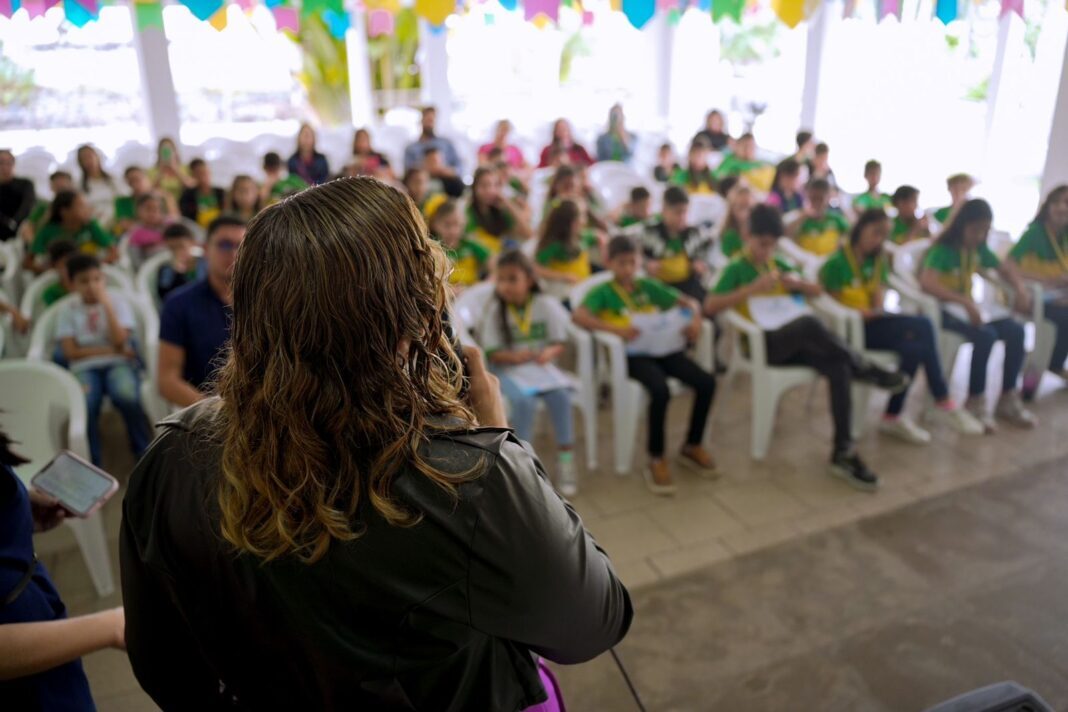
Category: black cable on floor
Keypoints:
(626, 677)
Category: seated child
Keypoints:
(57, 182)
(696, 177)
(203, 202)
(742, 162)
(94, 333)
(470, 260)
(146, 236)
(277, 181)
(59, 251)
(126, 205)
(804, 341)
(563, 253)
(907, 226)
(677, 253)
(515, 179)
(818, 229)
(959, 186)
(638, 209)
(820, 166)
(785, 191)
(959, 253)
(244, 198)
(856, 276)
(608, 307)
(71, 219)
(872, 198)
(492, 218)
(184, 266)
(736, 226)
(520, 327)
(417, 182)
(666, 165)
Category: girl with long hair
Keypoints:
(563, 252)
(99, 187)
(493, 218)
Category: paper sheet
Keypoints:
(534, 378)
(771, 313)
(660, 334)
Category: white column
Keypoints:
(434, 69)
(157, 83)
(817, 32)
(361, 100)
(663, 51)
(1056, 170)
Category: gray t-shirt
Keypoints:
(87, 324)
(545, 324)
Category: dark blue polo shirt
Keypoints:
(196, 319)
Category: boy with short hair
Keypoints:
(637, 209)
(907, 226)
(59, 251)
(184, 266)
(804, 341)
(818, 229)
(697, 176)
(959, 186)
(203, 202)
(93, 330)
(742, 162)
(608, 307)
(278, 183)
(666, 165)
(820, 166)
(57, 182)
(872, 198)
(677, 252)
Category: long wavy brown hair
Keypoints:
(319, 405)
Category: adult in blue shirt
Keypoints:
(415, 152)
(195, 324)
(40, 668)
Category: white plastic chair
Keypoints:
(11, 257)
(710, 209)
(146, 281)
(43, 343)
(808, 262)
(470, 309)
(615, 189)
(33, 302)
(629, 399)
(749, 355)
(42, 408)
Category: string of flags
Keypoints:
(381, 14)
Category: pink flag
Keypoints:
(587, 18)
(246, 5)
(286, 18)
(889, 7)
(549, 8)
(379, 22)
(6, 8)
(36, 8)
(1016, 6)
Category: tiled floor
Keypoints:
(709, 523)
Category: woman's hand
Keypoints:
(484, 391)
(46, 511)
(117, 620)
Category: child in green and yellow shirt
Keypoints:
(638, 209)
(563, 253)
(608, 307)
(958, 185)
(736, 226)
(907, 227)
(71, 219)
(696, 178)
(677, 252)
(742, 162)
(470, 260)
(872, 198)
(818, 229)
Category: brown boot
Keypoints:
(658, 477)
(699, 460)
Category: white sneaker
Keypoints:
(566, 480)
(958, 419)
(1011, 409)
(904, 429)
(976, 407)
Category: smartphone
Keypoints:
(79, 486)
(165, 153)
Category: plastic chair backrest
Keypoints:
(147, 275)
(907, 261)
(43, 336)
(579, 291)
(42, 408)
(707, 209)
(32, 300)
(470, 306)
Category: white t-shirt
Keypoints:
(87, 324)
(101, 196)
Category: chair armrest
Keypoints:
(1038, 302)
(583, 343)
(705, 349)
(846, 322)
(617, 358)
(924, 304)
(754, 335)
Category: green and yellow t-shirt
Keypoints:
(854, 285)
(867, 201)
(899, 232)
(611, 303)
(1040, 254)
(701, 184)
(674, 263)
(628, 220)
(90, 238)
(493, 242)
(956, 266)
(125, 208)
(53, 293)
(208, 208)
(558, 258)
(468, 262)
(730, 242)
(287, 187)
(742, 270)
(822, 235)
(540, 322)
(758, 174)
(942, 214)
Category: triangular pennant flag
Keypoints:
(80, 13)
(791, 12)
(286, 18)
(549, 8)
(219, 19)
(435, 11)
(639, 12)
(587, 18)
(728, 8)
(704, 5)
(8, 7)
(509, 4)
(35, 8)
(946, 10)
(849, 7)
(246, 5)
(202, 9)
(338, 23)
(889, 7)
(379, 22)
(1008, 6)
(148, 14)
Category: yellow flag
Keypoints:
(434, 11)
(218, 20)
(791, 12)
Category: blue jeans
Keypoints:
(523, 405)
(912, 338)
(983, 338)
(1058, 314)
(120, 383)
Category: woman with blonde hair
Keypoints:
(348, 524)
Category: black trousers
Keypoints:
(807, 342)
(653, 373)
(691, 287)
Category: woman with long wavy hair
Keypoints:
(348, 525)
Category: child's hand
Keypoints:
(100, 291)
(765, 283)
(652, 266)
(1023, 301)
(627, 333)
(21, 323)
(974, 315)
(700, 266)
(869, 314)
(692, 331)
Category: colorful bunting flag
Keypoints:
(946, 11)
(246, 5)
(219, 19)
(509, 5)
(704, 5)
(81, 12)
(379, 22)
(849, 7)
(549, 8)
(889, 8)
(201, 9)
(435, 11)
(8, 7)
(148, 14)
(728, 8)
(587, 18)
(286, 18)
(35, 8)
(338, 23)
(639, 12)
(791, 12)
(1007, 6)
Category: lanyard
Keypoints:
(1058, 249)
(628, 301)
(872, 283)
(522, 319)
(768, 266)
(968, 261)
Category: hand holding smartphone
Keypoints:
(78, 486)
